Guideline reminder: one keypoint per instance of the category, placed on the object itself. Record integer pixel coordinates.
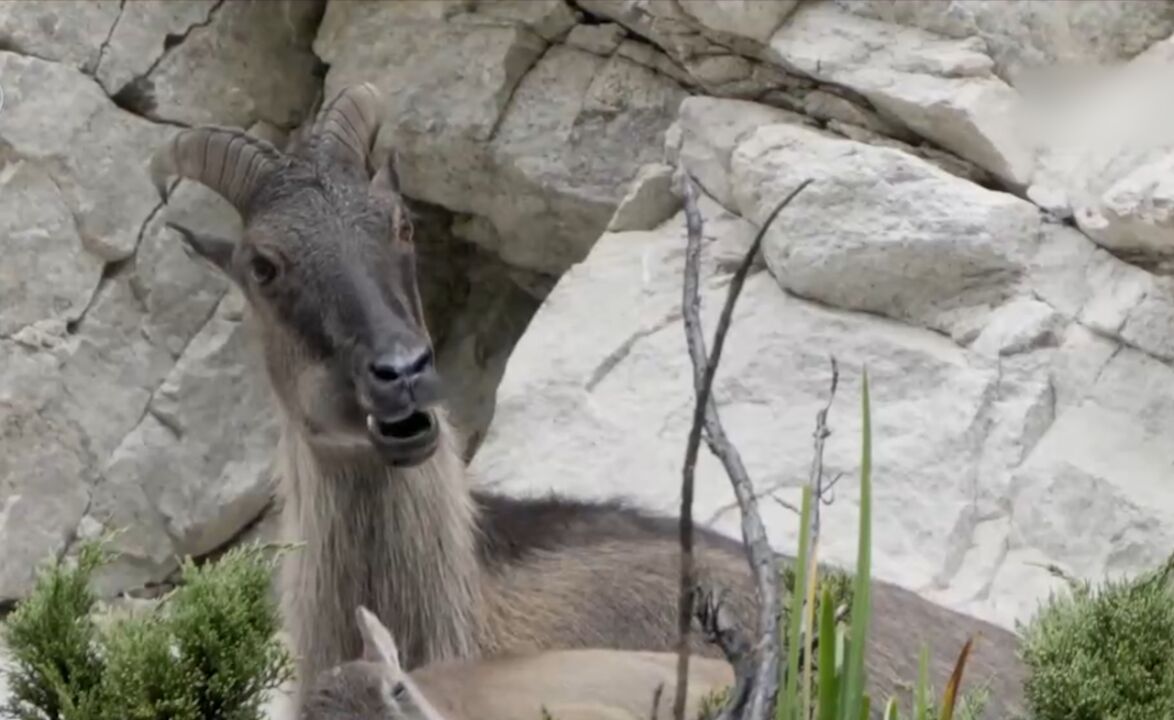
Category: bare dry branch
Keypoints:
(721, 630)
(763, 684)
(692, 446)
(821, 434)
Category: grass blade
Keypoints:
(922, 700)
(950, 697)
(854, 698)
(828, 678)
(891, 712)
(788, 704)
(808, 622)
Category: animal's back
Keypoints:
(566, 574)
(589, 684)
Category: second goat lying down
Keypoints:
(584, 684)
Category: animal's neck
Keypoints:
(401, 541)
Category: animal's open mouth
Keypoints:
(407, 441)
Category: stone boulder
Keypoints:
(72, 32)
(997, 342)
(596, 402)
(539, 143)
(1109, 152)
(1029, 40)
(943, 89)
(881, 231)
(244, 62)
(196, 469)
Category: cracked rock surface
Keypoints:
(990, 231)
(1015, 367)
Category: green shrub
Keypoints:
(1103, 653)
(210, 651)
(56, 667)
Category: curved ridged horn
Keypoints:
(347, 125)
(226, 160)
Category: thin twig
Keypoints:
(763, 684)
(656, 701)
(821, 434)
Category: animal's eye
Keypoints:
(399, 692)
(263, 270)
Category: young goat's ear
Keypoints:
(378, 645)
(210, 248)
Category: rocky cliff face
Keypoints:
(989, 231)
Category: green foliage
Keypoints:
(56, 667)
(970, 707)
(712, 703)
(224, 628)
(1105, 652)
(835, 581)
(211, 651)
(834, 681)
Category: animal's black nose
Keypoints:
(401, 364)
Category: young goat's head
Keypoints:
(373, 688)
(327, 264)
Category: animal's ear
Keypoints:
(215, 250)
(385, 187)
(385, 184)
(378, 645)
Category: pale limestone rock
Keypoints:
(824, 105)
(942, 89)
(1108, 154)
(649, 202)
(1020, 325)
(435, 94)
(655, 60)
(597, 399)
(1028, 36)
(46, 273)
(196, 469)
(751, 19)
(710, 129)
(1139, 210)
(66, 31)
(703, 43)
(540, 142)
(43, 467)
(566, 152)
(598, 39)
(1093, 496)
(944, 160)
(144, 32)
(550, 19)
(180, 291)
(1111, 297)
(880, 231)
(663, 22)
(88, 141)
(249, 61)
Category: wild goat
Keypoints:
(371, 480)
(585, 684)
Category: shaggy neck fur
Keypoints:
(399, 540)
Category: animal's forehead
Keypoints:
(317, 217)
